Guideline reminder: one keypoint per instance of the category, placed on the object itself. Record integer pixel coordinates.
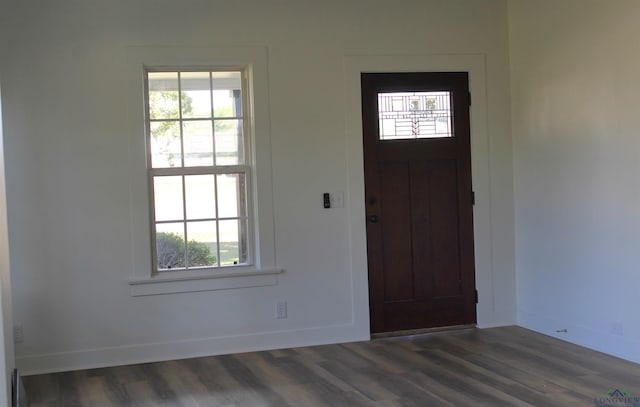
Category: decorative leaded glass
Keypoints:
(413, 115)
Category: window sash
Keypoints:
(245, 207)
(244, 218)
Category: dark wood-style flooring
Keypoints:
(507, 366)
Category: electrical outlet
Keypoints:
(18, 333)
(281, 310)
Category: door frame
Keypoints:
(473, 64)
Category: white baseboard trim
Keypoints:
(495, 324)
(155, 352)
(614, 345)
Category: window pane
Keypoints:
(165, 145)
(243, 246)
(411, 115)
(229, 142)
(167, 192)
(170, 246)
(227, 94)
(196, 95)
(202, 244)
(231, 195)
(163, 95)
(232, 242)
(201, 198)
(198, 143)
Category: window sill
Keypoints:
(222, 280)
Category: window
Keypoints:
(200, 169)
(411, 115)
(199, 177)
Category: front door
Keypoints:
(417, 160)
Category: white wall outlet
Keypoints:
(337, 199)
(18, 333)
(281, 310)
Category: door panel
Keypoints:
(443, 206)
(396, 217)
(418, 191)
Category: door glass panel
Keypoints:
(414, 115)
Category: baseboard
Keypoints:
(155, 352)
(614, 345)
(495, 324)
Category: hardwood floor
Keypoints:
(488, 367)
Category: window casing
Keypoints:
(199, 168)
(261, 269)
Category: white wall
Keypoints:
(575, 129)
(6, 326)
(64, 77)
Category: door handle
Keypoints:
(373, 218)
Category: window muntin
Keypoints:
(198, 176)
(414, 115)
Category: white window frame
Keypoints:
(263, 270)
(244, 168)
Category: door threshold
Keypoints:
(422, 331)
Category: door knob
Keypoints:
(373, 218)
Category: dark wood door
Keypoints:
(419, 197)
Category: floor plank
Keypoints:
(508, 366)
